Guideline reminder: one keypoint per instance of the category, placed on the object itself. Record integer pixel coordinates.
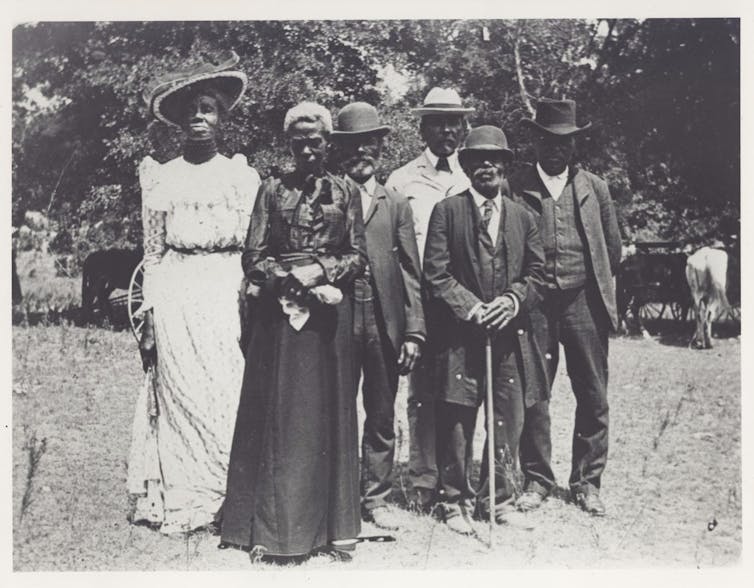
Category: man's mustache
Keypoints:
(360, 159)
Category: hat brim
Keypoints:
(165, 102)
(485, 148)
(559, 130)
(441, 110)
(381, 131)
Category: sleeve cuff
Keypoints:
(472, 312)
(516, 303)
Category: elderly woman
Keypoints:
(293, 475)
(195, 211)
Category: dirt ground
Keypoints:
(672, 485)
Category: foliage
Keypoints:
(663, 96)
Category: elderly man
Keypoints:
(484, 271)
(425, 181)
(388, 317)
(582, 245)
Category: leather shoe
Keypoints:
(384, 517)
(530, 500)
(590, 502)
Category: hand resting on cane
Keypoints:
(499, 312)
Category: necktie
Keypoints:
(487, 216)
(442, 164)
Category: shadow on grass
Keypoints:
(676, 333)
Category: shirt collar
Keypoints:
(562, 176)
(452, 159)
(370, 185)
(479, 200)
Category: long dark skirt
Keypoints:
(293, 476)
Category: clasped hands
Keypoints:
(496, 314)
(296, 284)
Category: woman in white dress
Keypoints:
(196, 211)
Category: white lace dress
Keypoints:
(195, 222)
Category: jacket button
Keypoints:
(500, 423)
(511, 380)
(520, 331)
(458, 376)
(548, 355)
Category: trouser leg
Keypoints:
(455, 444)
(379, 389)
(536, 445)
(508, 411)
(584, 333)
(423, 473)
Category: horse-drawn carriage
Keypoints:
(659, 276)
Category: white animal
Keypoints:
(706, 273)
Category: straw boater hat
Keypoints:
(557, 117)
(485, 138)
(442, 101)
(359, 118)
(166, 95)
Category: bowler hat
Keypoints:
(442, 101)
(164, 98)
(359, 118)
(485, 138)
(557, 117)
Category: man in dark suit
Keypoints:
(483, 269)
(582, 246)
(388, 316)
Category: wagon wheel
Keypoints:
(650, 312)
(676, 311)
(135, 300)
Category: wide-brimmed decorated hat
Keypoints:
(442, 101)
(165, 97)
(557, 117)
(359, 118)
(485, 138)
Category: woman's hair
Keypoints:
(308, 112)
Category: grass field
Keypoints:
(672, 485)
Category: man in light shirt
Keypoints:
(579, 229)
(388, 325)
(483, 267)
(426, 180)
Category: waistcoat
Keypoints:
(563, 239)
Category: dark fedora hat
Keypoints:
(485, 138)
(557, 117)
(359, 118)
(165, 96)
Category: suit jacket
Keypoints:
(596, 213)
(451, 273)
(424, 186)
(394, 263)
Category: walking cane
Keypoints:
(490, 433)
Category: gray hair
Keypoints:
(308, 112)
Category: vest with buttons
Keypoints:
(493, 271)
(563, 239)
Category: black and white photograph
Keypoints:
(375, 293)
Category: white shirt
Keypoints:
(497, 204)
(367, 191)
(453, 163)
(554, 184)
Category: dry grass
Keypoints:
(674, 466)
(44, 291)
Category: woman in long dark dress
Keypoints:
(293, 477)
